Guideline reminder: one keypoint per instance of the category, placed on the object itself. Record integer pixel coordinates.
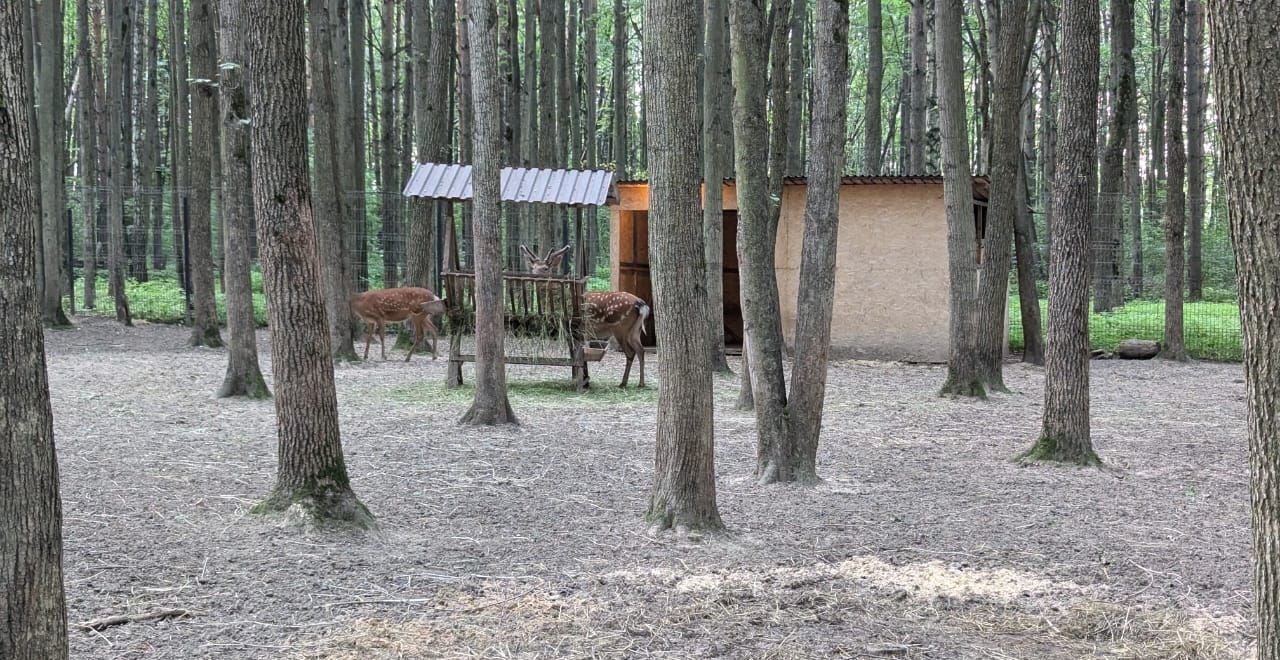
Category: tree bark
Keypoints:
(714, 137)
(244, 376)
(618, 145)
(1064, 435)
(821, 232)
(180, 128)
(684, 490)
(963, 378)
(431, 111)
(360, 251)
(544, 215)
(204, 113)
(795, 164)
(1006, 131)
(312, 481)
(1048, 119)
(33, 618)
(392, 227)
(875, 85)
(591, 128)
(491, 406)
(1196, 101)
(1246, 76)
(53, 156)
(1108, 247)
(87, 136)
(919, 100)
(120, 23)
(757, 236)
(1175, 215)
(153, 202)
(1157, 97)
(328, 201)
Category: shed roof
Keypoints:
(981, 184)
(519, 184)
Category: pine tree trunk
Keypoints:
(180, 128)
(1108, 248)
(1175, 215)
(618, 145)
(244, 376)
(1006, 132)
(919, 100)
(590, 129)
(119, 20)
(1065, 432)
(1157, 97)
(544, 215)
(821, 229)
(684, 490)
(957, 184)
(359, 117)
(756, 238)
(491, 406)
(875, 85)
(328, 202)
(152, 203)
(33, 618)
(53, 156)
(1246, 75)
(204, 112)
(1195, 149)
(714, 136)
(87, 136)
(391, 225)
(312, 481)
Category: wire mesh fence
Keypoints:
(1128, 278)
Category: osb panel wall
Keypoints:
(891, 278)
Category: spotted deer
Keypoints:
(615, 314)
(412, 304)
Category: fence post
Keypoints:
(71, 267)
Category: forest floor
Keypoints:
(923, 541)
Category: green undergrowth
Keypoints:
(160, 300)
(1211, 329)
(533, 393)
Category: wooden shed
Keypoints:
(891, 280)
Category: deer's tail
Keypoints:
(642, 308)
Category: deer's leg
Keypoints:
(625, 344)
(368, 337)
(418, 333)
(382, 337)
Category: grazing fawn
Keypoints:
(614, 314)
(412, 304)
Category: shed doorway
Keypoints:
(634, 276)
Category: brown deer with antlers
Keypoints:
(412, 304)
(614, 314)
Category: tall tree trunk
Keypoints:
(1108, 248)
(757, 234)
(684, 490)
(1024, 229)
(821, 228)
(312, 480)
(919, 99)
(87, 136)
(1064, 435)
(52, 127)
(875, 85)
(590, 129)
(328, 202)
(795, 165)
(993, 280)
(120, 24)
(509, 66)
(432, 131)
(1156, 132)
(1175, 216)
(1196, 102)
(618, 145)
(1246, 75)
(359, 117)
(544, 215)
(715, 80)
(204, 113)
(963, 378)
(179, 129)
(491, 406)
(780, 109)
(1133, 188)
(33, 615)
(1048, 119)
(152, 204)
(389, 163)
(244, 376)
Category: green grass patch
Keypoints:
(558, 393)
(160, 300)
(1211, 329)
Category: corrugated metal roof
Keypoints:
(519, 184)
(981, 184)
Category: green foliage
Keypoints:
(160, 299)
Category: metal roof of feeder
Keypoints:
(519, 184)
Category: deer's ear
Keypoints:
(554, 258)
(528, 254)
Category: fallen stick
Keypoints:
(121, 619)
